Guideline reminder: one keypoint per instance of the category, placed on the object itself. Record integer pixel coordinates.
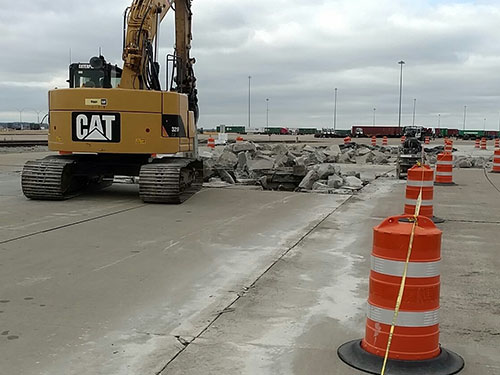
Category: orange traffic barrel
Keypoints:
(477, 142)
(497, 143)
(414, 348)
(420, 179)
(444, 169)
(484, 143)
(403, 139)
(374, 141)
(211, 142)
(347, 140)
(239, 139)
(385, 141)
(427, 140)
(448, 147)
(496, 162)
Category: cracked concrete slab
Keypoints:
(124, 293)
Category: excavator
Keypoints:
(118, 121)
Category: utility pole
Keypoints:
(400, 93)
(374, 112)
(465, 115)
(335, 111)
(249, 102)
(439, 123)
(484, 125)
(267, 112)
(414, 110)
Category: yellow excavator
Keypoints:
(118, 121)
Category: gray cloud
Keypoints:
(296, 53)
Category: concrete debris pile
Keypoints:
(293, 167)
(470, 161)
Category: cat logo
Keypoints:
(95, 127)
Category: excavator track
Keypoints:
(170, 181)
(51, 179)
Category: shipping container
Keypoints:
(305, 131)
(276, 130)
(377, 131)
(473, 134)
(232, 129)
(446, 132)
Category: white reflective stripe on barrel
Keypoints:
(419, 183)
(413, 202)
(445, 162)
(396, 268)
(405, 318)
(444, 174)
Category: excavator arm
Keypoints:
(140, 70)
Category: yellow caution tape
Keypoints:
(403, 279)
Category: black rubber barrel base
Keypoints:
(446, 363)
(435, 220)
(444, 184)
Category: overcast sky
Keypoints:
(297, 52)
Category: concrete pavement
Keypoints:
(230, 282)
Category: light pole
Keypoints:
(414, 110)
(400, 92)
(38, 115)
(374, 112)
(21, 114)
(484, 125)
(249, 102)
(465, 115)
(439, 125)
(267, 112)
(335, 111)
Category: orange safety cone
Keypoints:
(427, 140)
(374, 141)
(403, 139)
(347, 140)
(484, 143)
(414, 348)
(496, 162)
(420, 179)
(444, 169)
(211, 142)
(497, 143)
(448, 147)
(477, 143)
(385, 141)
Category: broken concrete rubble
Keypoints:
(293, 167)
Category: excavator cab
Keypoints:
(95, 74)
